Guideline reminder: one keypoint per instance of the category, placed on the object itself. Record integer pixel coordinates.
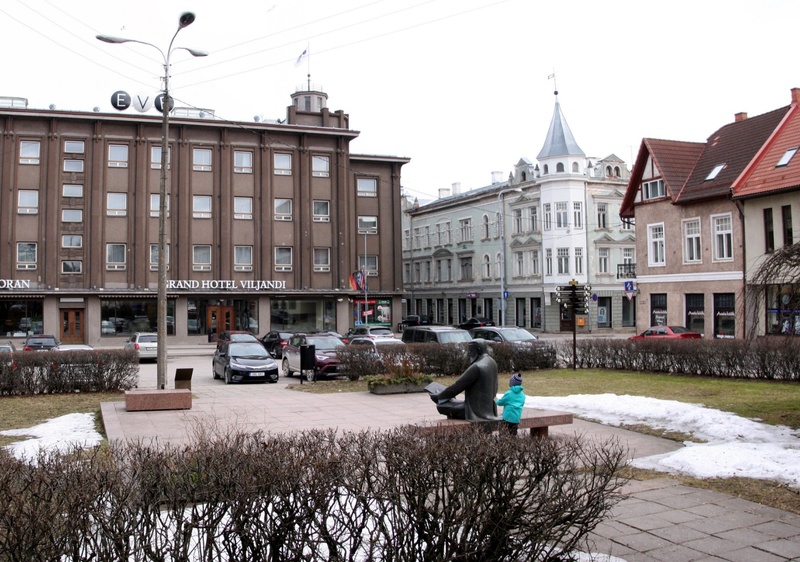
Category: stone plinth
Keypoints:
(153, 399)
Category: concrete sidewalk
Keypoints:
(660, 520)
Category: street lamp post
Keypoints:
(501, 225)
(185, 20)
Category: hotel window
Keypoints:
(155, 158)
(691, 237)
(73, 165)
(548, 261)
(28, 202)
(367, 225)
(534, 218)
(74, 146)
(653, 189)
(769, 231)
(201, 159)
(282, 164)
(283, 209)
(117, 155)
(29, 152)
(283, 258)
(322, 211)
(723, 237)
(155, 200)
(786, 215)
(602, 260)
(72, 215)
(117, 204)
(72, 241)
(201, 257)
(243, 208)
(465, 229)
(201, 206)
(561, 215)
(602, 214)
(72, 267)
(547, 219)
(577, 214)
(578, 261)
(322, 259)
(243, 258)
(655, 243)
(154, 257)
(367, 187)
(563, 260)
(115, 256)
(72, 190)
(320, 166)
(787, 157)
(242, 162)
(26, 255)
(371, 265)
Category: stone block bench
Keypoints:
(538, 421)
(155, 399)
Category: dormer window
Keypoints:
(787, 157)
(715, 172)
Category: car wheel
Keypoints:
(285, 367)
(214, 372)
(228, 376)
(309, 376)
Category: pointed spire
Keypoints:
(559, 141)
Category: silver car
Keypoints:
(144, 343)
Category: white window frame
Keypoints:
(73, 165)
(322, 260)
(603, 260)
(72, 215)
(320, 166)
(653, 189)
(117, 155)
(74, 146)
(367, 187)
(27, 255)
(72, 241)
(202, 159)
(114, 247)
(201, 206)
(30, 152)
(371, 265)
(535, 262)
(602, 216)
(562, 260)
(656, 245)
(243, 258)
(242, 208)
(283, 258)
(321, 210)
(367, 224)
(155, 200)
(578, 261)
(283, 209)
(78, 267)
(723, 237)
(519, 264)
(577, 214)
(28, 202)
(116, 204)
(154, 248)
(487, 267)
(562, 219)
(516, 221)
(72, 190)
(201, 257)
(465, 229)
(547, 216)
(282, 164)
(242, 162)
(534, 218)
(155, 157)
(692, 242)
(548, 261)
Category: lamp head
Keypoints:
(111, 39)
(186, 19)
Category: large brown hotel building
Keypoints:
(267, 223)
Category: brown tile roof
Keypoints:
(734, 145)
(762, 176)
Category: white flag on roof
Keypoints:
(303, 55)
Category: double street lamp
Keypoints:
(166, 103)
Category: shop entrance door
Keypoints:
(72, 325)
(219, 319)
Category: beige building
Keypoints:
(267, 224)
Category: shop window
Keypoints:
(695, 313)
(725, 315)
(658, 309)
(123, 317)
(20, 318)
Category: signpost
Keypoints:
(575, 299)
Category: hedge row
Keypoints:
(763, 358)
(54, 372)
(317, 495)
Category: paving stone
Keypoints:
(745, 536)
(642, 542)
(782, 547)
(676, 553)
(712, 545)
(678, 534)
(778, 529)
(750, 554)
(678, 516)
(646, 522)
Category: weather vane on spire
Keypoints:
(555, 84)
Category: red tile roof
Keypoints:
(762, 176)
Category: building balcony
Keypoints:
(626, 271)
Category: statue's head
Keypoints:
(476, 349)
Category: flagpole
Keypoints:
(364, 275)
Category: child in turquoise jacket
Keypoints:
(513, 401)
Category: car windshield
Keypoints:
(242, 337)
(455, 337)
(518, 334)
(380, 332)
(679, 330)
(148, 339)
(250, 350)
(325, 343)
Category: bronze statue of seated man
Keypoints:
(479, 385)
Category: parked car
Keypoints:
(376, 344)
(325, 361)
(275, 341)
(7, 347)
(497, 334)
(144, 343)
(73, 347)
(238, 361)
(107, 328)
(412, 320)
(39, 343)
(667, 332)
(368, 332)
(475, 322)
(235, 335)
(436, 334)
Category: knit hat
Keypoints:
(515, 380)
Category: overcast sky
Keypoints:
(459, 86)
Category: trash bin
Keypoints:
(308, 362)
(183, 378)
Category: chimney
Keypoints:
(497, 177)
(444, 192)
(456, 188)
(795, 95)
(741, 116)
